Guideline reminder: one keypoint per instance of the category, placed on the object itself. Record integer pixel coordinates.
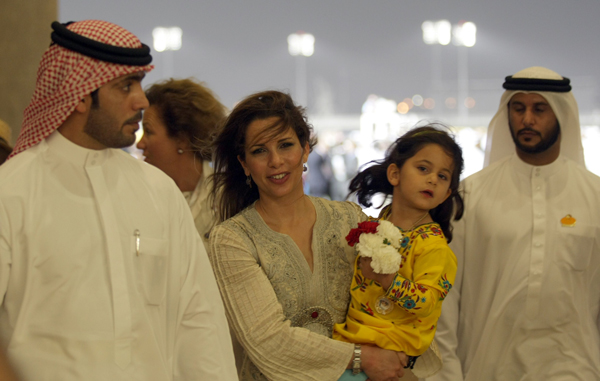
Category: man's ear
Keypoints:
(84, 105)
(393, 174)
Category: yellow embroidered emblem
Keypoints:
(568, 221)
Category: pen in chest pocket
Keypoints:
(136, 234)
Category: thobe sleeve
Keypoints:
(434, 272)
(5, 252)
(280, 352)
(446, 334)
(202, 349)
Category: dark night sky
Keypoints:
(362, 47)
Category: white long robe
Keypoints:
(103, 274)
(527, 293)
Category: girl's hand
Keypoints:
(385, 280)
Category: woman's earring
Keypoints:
(305, 167)
(180, 151)
(249, 181)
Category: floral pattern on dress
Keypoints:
(445, 285)
(367, 309)
(423, 231)
(361, 283)
(404, 293)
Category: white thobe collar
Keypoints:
(543, 171)
(74, 153)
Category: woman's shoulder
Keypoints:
(344, 207)
(241, 222)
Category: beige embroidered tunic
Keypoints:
(281, 313)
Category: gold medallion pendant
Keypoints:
(383, 305)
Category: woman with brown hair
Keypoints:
(280, 256)
(182, 116)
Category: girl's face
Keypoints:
(274, 162)
(423, 182)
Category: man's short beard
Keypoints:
(542, 146)
(105, 129)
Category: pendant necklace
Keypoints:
(417, 221)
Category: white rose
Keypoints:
(368, 243)
(388, 230)
(386, 260)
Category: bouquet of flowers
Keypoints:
(380, 241)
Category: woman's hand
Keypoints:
(385, 280)
(403, 358)
(382, 364)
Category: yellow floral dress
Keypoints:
(404, 317)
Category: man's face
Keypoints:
(533, 125)
(115, 118)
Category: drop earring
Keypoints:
(249, 181)
(305, 167)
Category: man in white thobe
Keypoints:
(102, 272)
(527, 293)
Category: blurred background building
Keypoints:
(366, 71)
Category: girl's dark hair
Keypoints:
(230, 192)
(189, 110)
(373, 179)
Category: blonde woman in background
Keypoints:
(182, 115)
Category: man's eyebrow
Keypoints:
(519, 103)
(137, 76)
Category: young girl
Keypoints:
(399, 310)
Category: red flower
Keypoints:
(353, 236)
(368, 226)
(363, 227)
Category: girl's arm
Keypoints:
(434, 272)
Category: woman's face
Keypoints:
(159, 148)
(274, 162)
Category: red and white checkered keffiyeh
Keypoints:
(65, 77)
